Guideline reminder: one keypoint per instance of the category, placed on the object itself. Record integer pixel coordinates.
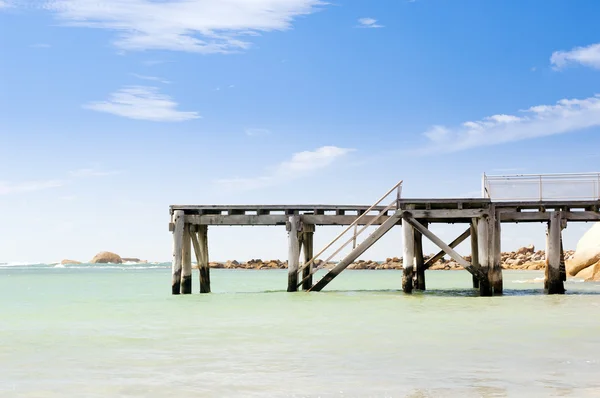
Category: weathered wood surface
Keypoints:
(203, 263)
(408, 256)
(179, 222)
(461, 238)
(354, 254)
(554, 283)
(419, 260)
(308, 233)
(440, 243)
(293, 253)
(496, 264)
(474, 250)
(483, 242)
(418, 204)
(186, 274)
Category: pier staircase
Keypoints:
(383, 218)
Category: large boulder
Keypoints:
(587, 252)
(107, 257)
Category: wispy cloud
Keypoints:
(40, 45)
(299, 165)
(90, 172)
(7, 188)
(151, 78)
(254, 132)
(201, 26)
(4, 4)
(586, 56)
(567, 115)
(368, 23)
(142, 103)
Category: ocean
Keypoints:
(116, 331)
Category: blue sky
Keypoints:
(112, 110)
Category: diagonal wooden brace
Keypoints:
(440, 243)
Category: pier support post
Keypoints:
(293, 252)
(408, 258)
(496, 261)
(474, 251)
(419, 259)
(483, 243)
(179, 222)
(203, 266)
(186, 275)
(554, 283)
(308, 231)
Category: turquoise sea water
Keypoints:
(115, 331)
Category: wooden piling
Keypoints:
(293, 253)
(474, 251)
(203, 266)
(554, 283)
(308, 232)
(419, 260)
(496, 261)
(483, 243)
(179, 222)
(408, 258)
(186, 275)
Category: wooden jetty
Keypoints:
(482, 218)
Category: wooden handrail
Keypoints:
(312, 260)
(375, 218)
(355, 223)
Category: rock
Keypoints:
(591, 273)
(587, 252)
(72, 262)
(106, 257)
(526, 250)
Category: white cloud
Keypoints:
(567, 115)
(368, 23)
(7, 188)
(142, 103)
(3, 4)
(586, 56)
(254, 132)
(151, 78)
(201, 26)
(300, 164)
(40, 45)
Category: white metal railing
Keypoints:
(538, 187)
(394, 205)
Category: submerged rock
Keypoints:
(71, 262)
(107, 257)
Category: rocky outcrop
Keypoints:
(69, 262)
(587, 252)
(525, 258)
(106, 257)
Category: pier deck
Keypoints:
(482, 217)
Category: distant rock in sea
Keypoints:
(107, 257)
(71, 262)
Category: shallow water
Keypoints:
(106, 331)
